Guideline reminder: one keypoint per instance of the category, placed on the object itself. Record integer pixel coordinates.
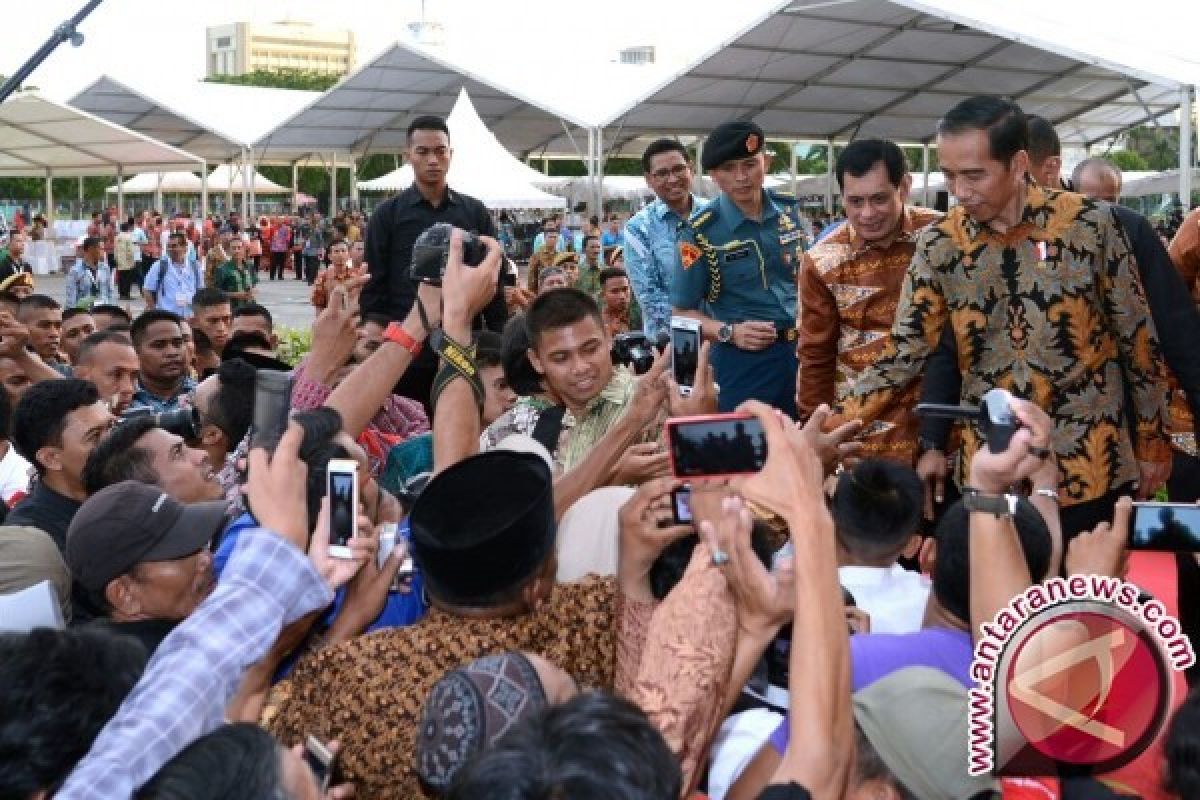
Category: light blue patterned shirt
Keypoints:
(85, 288)
(173, 285)
(651, 250)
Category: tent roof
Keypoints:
(149, 182)
(213, 120)
(1142, 184)
(221, 178)
(369, 110)
(481, 167)
(890, 68)
(37, 135)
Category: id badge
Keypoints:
(182, 300)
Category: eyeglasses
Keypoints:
(677, 171)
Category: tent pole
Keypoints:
(925, 169)
(1185, 147)
(49, 198)
(204, 191)
(245, 192)
(158, 201)
(253, 171)
(332, 184)
(829, 177)
(120, 192)
(591, 165)
(599, 172)
(795, 180)
(295, 185)
(699, 156)
(354, 183)
(81, 214)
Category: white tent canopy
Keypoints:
(226, 176)
(39, 137)
(480, 167)
(1154, 183)
(369, 110)
(166, 182)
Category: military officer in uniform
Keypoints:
(736, 272)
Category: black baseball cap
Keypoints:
(131, 522)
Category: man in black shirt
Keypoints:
(395, 225)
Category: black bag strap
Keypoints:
(549, 428)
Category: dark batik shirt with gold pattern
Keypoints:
(368, 692)
(1052, 310)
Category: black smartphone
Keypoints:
(1165, 527)
(716, 445)
(320, 760)
(685, 352)
(272, 401)
(681, 505)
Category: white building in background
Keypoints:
(241, 47)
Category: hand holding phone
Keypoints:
(1165, 527)
(321, 759)
(342, 490)
(716, 445)
(685, 352)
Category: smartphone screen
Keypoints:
(341, 507)
(685, 353)
(681, 505)
(722, 444)
(1165, 527)
(320, 760)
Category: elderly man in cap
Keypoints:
(142, 559)
(736, 272)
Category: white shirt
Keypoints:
(14, 476)
(893, 596)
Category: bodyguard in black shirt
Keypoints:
(395, 225)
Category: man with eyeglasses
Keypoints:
(395, 226)
(651, 235)
(174, 279)
(544, 256)
(736, 272)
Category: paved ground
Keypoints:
(287, 299)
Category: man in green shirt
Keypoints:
(590, 267)
(237, 277)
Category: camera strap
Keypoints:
(457, 361)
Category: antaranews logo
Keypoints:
(1075, 671)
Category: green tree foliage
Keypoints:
(1128, 160)
(307, 80)
(1158, 147)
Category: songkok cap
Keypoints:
(484, 526)
(469, 709)
(563, 258)
(737, 139)
(916, 719)
(131, 522)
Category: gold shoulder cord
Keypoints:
(714, 268)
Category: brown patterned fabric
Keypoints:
(849, 290)
(1052, 310)
(1185, 255)
(368, 693)
(537, 262)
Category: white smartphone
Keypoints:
(320, 760)
(342, 490)
(685, 352)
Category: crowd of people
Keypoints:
(548, 623)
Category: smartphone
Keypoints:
(272, 401)
(342, 491)
(685, 352)
(320, 760)
(681, 505)
(387, 543)
(1165, 527)
(716, 445)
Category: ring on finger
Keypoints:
(720, 558)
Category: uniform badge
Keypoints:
(688, 253)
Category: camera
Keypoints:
(183, 422)
(636, 351)
(432, 250)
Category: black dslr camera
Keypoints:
(994, 417)
(636, 351)
(183, 422)
(432, 249)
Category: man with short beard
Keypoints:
(163, 380)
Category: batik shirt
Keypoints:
(849, 290)
(651, 250)
(1052, 310)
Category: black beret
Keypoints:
(737, 139)
(484, 526)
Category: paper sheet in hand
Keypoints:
(35, 607)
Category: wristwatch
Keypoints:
(1001, 505)
(725, 333)
(395, 333)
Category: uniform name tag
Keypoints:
(737, 255)
(789, 237)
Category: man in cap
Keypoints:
(736, 272)
(141, 558)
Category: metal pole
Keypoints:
(204, 191)
(49, 201)
(228, 188)
(245, 188)
(81, 195)
(795, 179)
(829, 177)
(158, 201)
(925, 169)
(253, 185)
(63, 33)
(599, 172)
(332, 184)
(295, 185)
(120, 193)
(354, 183)
(699, 156)
(1185, 147)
